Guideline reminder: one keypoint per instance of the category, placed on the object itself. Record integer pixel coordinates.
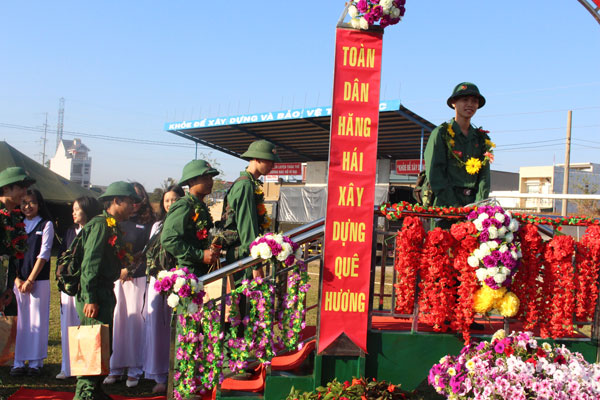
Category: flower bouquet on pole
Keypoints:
(496, 260)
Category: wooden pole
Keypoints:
(565, 202)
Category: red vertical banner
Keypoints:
(345, 278)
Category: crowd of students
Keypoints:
(116, 286)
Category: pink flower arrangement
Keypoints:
(366, 13)
(515, 367)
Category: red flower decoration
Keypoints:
(112, 240)
(202, 234)
(408, 253)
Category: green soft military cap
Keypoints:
(120, 189)
(261, 149)
(465, 89)
(196, 168)
(15, 175)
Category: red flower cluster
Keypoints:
(466, 243)
(202, 234)
(408, 253)
(587, 260)
(526, 285)
(558, 287)
(437, 294)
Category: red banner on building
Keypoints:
(345, 279)
(409, 167)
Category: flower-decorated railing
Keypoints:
(250, 322)
(495, 260)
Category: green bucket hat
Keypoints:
(120, 189)
(466, 89)
(196, 168)
(262, 149)
(15, 175)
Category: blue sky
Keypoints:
(126, 68)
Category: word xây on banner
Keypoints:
(344, 301)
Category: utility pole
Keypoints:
(61, 120)
(565, 202)
(44, 141)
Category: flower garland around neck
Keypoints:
(202, 220)
(122, 249)
(264, 222)
(14, 237)
(474, 164)
(495, 260)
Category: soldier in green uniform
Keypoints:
(14, 182)
(104, 257)
(185, 230)
(243, 208)
(458, 155)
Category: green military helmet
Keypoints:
(261, 149)
(466, 89)
(15, 175)
(120, 189)
(196, 168)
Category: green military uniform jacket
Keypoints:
(100, 266)
(448, 179)
(241, 214)
(180, 233)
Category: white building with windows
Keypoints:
(72, 162)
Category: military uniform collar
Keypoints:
(457, 129)
(255, 181)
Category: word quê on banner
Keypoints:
(344, 301)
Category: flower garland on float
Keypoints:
(437, 288)
(408, 253)
(466, 243)
(495, 260)
(366, 13)
(587, 260)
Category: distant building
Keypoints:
(584, 178)
(72, 162)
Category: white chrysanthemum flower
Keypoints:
(395, 12)
(473, 261)
(265, 251)
(478, 225)
(493, 232)
(278, 238)
(499, 216)
(502, 231)
(493, 271)
(504, 270)
(179, 282)
(499, 278)
(509, 237)
(485, 249)
(478, 254)
(173, 300)
(355, 23)
(193, 284)
(162, 274)
(363, 23)
(255, 252)
(386, 5)
(180, 272)
(353, 11)
(481, 274)
(483, 216)
(503, 248)
(492, 244)
(514, 255)
(192, 308)
(513, 226)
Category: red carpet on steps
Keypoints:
(41, 394)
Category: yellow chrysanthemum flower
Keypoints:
(451, 131)
(473, 165)
(110, 221)
(508, 305)
(482, 301)
(451, 141)
(490, 144)
(258, 191)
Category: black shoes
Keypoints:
(18, 371)
(34, 372)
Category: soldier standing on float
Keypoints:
(185, 230)
(243, 208)
(458, 155)
(100, 268)
(14, 182)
